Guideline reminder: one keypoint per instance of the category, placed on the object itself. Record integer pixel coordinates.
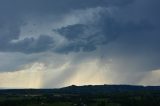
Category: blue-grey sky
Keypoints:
(50, 43)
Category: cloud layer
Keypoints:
(119, 38)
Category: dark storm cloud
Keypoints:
(108, 30)
(132, 30)
(32, 45)
(10, 31)
(85, 37)
(130, 38)
(138, 51)
(50, 6)
(13, 15)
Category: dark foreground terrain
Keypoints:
(100, 95)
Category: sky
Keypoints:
(57, 43)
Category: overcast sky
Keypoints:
(56, 43)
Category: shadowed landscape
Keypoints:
(97, 95)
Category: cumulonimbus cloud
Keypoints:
(124, 32)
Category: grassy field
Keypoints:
(110, 99)
(52, 104)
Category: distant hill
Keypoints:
(88, 89)
(96, 89)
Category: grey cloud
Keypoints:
(130, 39)
(14, 17)
(106, 30)
(137, 53)
(16, 61)
(50, 6)
(129, 36)
(73, 32)
(32, 45)
(11, 31)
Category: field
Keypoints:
(117, 99)
(83, 96)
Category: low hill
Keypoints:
(88, 89)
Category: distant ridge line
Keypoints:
(86, 89)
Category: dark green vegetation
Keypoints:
(103, 95)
